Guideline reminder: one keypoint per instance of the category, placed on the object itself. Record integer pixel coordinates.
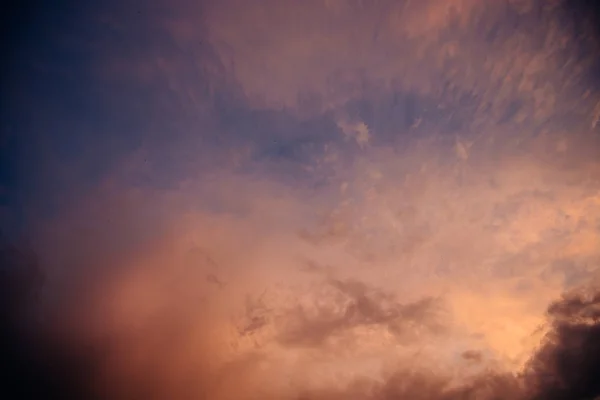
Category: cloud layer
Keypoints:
(318, 200)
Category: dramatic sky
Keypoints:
(316, 199)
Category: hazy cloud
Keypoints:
(307, 200)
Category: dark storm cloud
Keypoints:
(568, 365)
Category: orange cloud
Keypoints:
(421, 267)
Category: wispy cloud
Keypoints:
(238, 247)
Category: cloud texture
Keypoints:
(316, 200)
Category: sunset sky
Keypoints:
(317, 199)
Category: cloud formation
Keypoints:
(323, 200)
(564, 367)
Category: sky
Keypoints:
(320, 199)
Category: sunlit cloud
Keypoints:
(336, 199)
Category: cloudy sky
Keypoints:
(320, 199)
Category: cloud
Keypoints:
(564, 367)
(360, 307)
(188, 290)
(281, 53)
(428, 276)
(245, 250)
